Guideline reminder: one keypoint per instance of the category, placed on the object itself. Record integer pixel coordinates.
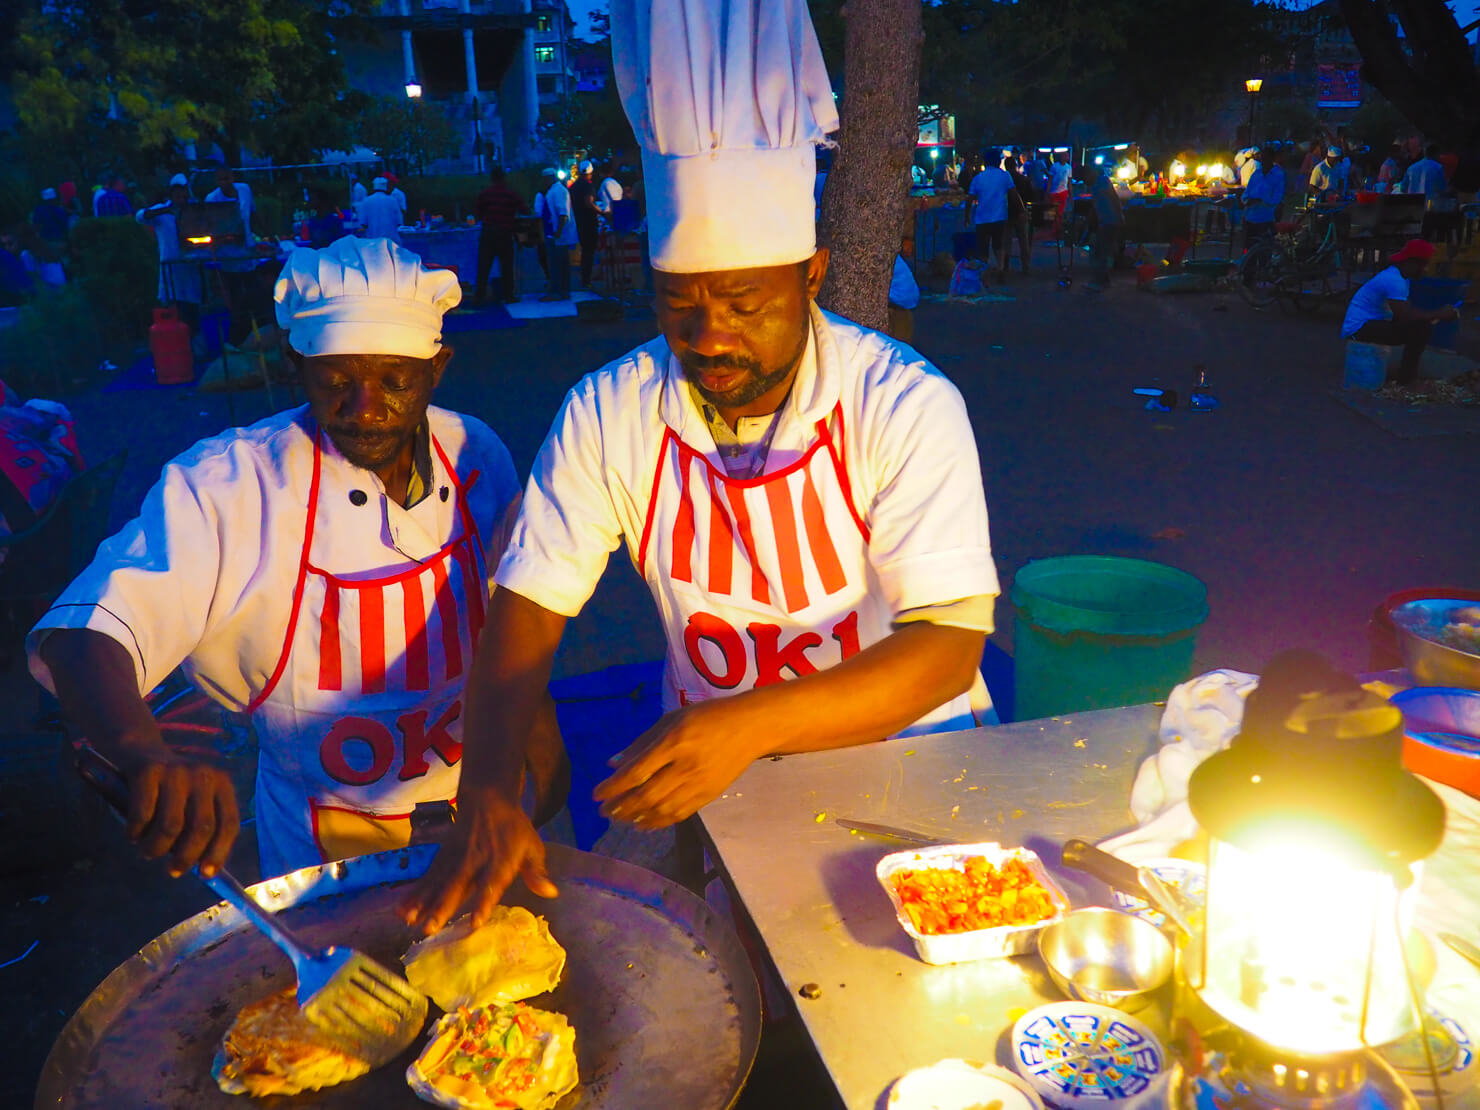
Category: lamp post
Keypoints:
(1252, 87)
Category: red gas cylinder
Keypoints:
(169, 343)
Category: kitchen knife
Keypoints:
(910, 836)
(1140, 882)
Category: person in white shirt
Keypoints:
(989, 191)
(561, 220)
(229, 188)
(176, 283)
(324, 571)
(1328, 177)
(608, 191)
(801, 494)
(1245, 162)
(1390, 173)
(1380, 313)
(379, 215)
(1426, 176)
(904, 296)
(1059, 180)
(357, 191)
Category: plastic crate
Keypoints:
(1367, 364)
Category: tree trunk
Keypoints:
(865, 204)
(1429, 74)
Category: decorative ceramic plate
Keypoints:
(1188, 877)
(1079, 1055)
(961, 1085)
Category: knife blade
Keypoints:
(893, 832)
(1462, 946)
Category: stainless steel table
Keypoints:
(809, 887)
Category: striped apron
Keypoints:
(762, 579)
(361, 719)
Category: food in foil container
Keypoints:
(272, 1049)
(504, 1057)
(510, 957)
(963, 902)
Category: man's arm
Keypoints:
(179, 807)
(690, 756)
(492, 839)
(1403, 312)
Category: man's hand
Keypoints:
(492, 841)
(679, 765)
(180, 807)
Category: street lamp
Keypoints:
(413, 87)
(1252, 87)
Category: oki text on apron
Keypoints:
(762, 579)
(361, 719)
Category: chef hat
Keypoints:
(586, 166)
(179, 179)
(363, 297)
(1333, 152)
(380, 184)
(48, 194)
(728, 99)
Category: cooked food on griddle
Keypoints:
(510, 957)
(272, 1049)
(506, 1057)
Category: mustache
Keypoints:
(360, 435)
(701, 364)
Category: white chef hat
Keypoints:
(728, 99)
(179, 179)
(380, 183)
(586, 166)
(48, 194)
(363, 297)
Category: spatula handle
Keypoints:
(99, 772)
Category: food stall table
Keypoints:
(808, 885)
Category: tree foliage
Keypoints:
(593, 121)
(408, 133)
(118, 83)
(1415, 53)
(1013, 72)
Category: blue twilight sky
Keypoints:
(580, 10)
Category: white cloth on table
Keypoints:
(1202, 717)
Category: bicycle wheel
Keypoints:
(1257, 275)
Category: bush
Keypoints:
(116, 263)
(55, 346)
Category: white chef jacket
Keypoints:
(902, 437)
(380, 217)
(1326, 178)
(399, 196)
(557, 201)
(204, 576)
(178, 283)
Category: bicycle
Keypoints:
(1293, 266)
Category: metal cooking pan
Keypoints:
(662, 998)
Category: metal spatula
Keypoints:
(359, 1006)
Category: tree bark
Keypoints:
(1429, 74)
(865, 203)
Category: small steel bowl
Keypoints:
(1106, 957)
(1420, 627)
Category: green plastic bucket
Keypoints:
(1097, 631)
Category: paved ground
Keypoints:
(1298, 512)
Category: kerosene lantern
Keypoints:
(1316, 836)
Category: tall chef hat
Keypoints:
(363, 297)
(728, 99)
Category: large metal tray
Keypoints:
(657, 986)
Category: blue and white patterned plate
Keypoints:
(1079, 1055)
(1190, 878)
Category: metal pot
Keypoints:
(1106, 957)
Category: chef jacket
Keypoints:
(380, 217)
(214, 573)
(870, 505)
(183, 284)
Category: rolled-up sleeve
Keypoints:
(929, 542)
(568, 525)
(151, 587)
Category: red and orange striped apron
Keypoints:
(361, 719)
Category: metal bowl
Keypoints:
(1420, 626)
(1106, 957)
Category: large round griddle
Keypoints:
(659, 991)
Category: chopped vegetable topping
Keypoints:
(978, 896)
